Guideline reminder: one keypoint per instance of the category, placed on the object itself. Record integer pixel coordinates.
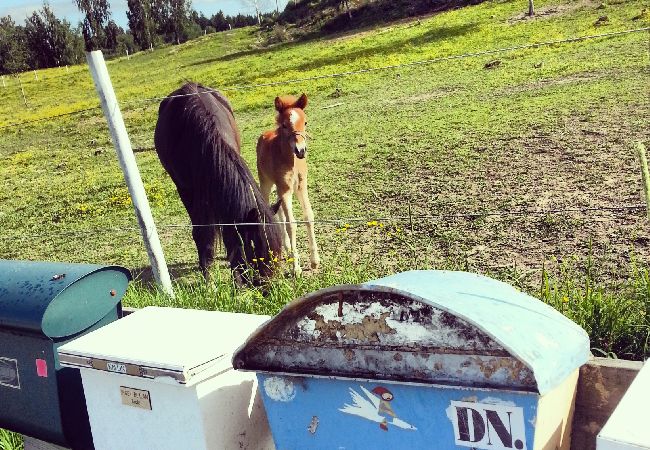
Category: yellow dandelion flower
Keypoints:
(565, 299)
(275, 259)
(254, 259)
(290, 260)
(261, 259)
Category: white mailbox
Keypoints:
(161, 378)
(627, 428)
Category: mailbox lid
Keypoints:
(58, 299)
(544, 339)
(436, 327)
(182, 345)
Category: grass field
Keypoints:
(542, 129)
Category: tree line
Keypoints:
(45, 40)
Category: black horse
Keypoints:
(198, 143)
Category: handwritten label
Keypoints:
(116, 367)
(135, 397)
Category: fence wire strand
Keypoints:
(626, 209)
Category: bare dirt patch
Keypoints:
(548, 12)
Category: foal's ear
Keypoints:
(279, 104)
(302, 102)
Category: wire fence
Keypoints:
(409, 219)
(534, 45)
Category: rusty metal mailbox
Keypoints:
(418, 360)
(43, 305)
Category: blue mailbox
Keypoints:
(43, 305)
(418, 360)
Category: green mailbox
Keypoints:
(43, 305)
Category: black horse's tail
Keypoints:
(198, 143)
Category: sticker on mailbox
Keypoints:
(116, 367)
(9, 373)
(137, 398)
(488, 426)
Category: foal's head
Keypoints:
(292, 122)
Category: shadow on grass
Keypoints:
(385, 50)
(144, 275)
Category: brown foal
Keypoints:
(281, 162)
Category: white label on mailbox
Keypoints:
(116, 367)
(135, 397)
(488, 426)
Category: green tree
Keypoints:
(50, 41)
(96, 15)
(112, 33)
(13, 47)
(160, 14)
(179, 18)
(141, 22)
(219, 21)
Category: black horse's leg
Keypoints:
(204, 237)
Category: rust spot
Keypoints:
(397, 357)
(489, 367)
(468, 332)
(368, 330)
(349, 354)
(437, 366)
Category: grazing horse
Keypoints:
(281, 162)
(198, 143)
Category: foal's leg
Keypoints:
(291, 229)
(284, 229)
(308, 215)
(266, 186)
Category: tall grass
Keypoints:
(616, 315)
(10, 441)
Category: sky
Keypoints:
(66, 9)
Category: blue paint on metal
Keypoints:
(55, 299)
(547, 342)
(305, 413)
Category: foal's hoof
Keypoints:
(315, 265)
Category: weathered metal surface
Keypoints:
(416, 327)
(58, 299)
(539, 336)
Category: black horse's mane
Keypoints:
(198, 143)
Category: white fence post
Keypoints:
(645, 173)
(129, 166)
(22, 90)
